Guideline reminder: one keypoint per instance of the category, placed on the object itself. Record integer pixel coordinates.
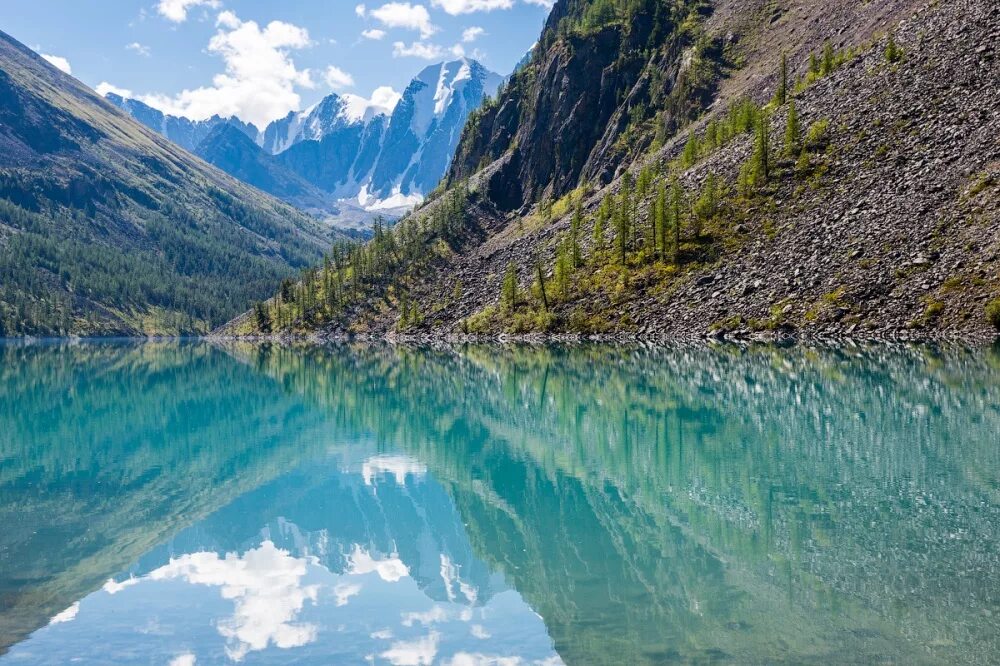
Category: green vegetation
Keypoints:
(893, 53)
(781, 96)
(793, 139)
(993, 313)
(383, 268)
(106, 230)
(181, 271)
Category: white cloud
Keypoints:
(391, 569)
(265, 585)
(424, 50)
(456, 7)
(374, 33)
(177, 10)
(260, 79)
(478, 631)
(58, 62)
(479, 659)
(344, 592)
(385, 97)
(472, 34)
(405, 15)
(103, 88)
(548, 4)
(186, 659)
(360, 10)
(66, 615)
(141, 49)
(420, 652)
(337, 78)
(435, 615)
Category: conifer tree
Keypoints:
(676, 206)
(540, 275)
(508, 290)
(661, 219)
(691, 149)
(814, 66)
(893, 53)
(782, 94)
(621, 231)
(761, 160)
(263, 317)
(564, 267)
(625, 205)
(828, 58)
(706, 206)
(574, 235)
(792, 131)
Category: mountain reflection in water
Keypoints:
(188, 503)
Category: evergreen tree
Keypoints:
(508, 290)
(814, 66)
(574, 235)
(621, 231)
(691, 150)
(661, 220)
(893, 53)
(707, 205)
(540, 276)
(564, 267)
(676, 208)
(829, 58)
(263, 318)
(761, 159)
(782, 94)
(792, 131)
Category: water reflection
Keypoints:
(405, 505)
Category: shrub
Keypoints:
(993, 313)
(817, 135)
(893, 53)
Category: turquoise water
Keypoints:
(184, 503)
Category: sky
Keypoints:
(260, 59)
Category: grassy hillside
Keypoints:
(107, 228)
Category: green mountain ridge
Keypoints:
(107, 228)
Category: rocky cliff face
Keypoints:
(230, 149)
(565, 116)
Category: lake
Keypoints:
(192, 503)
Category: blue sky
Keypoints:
(260, 59)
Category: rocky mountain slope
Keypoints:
(186, 133)
(231, 150)
(638, 177)
(369, 156)
(106, 227)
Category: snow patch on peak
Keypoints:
(448, 84)
(357, 109)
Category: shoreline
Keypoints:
(766, 337)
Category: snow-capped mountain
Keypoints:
(380, 158)
(186, 133)
(332, 113)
